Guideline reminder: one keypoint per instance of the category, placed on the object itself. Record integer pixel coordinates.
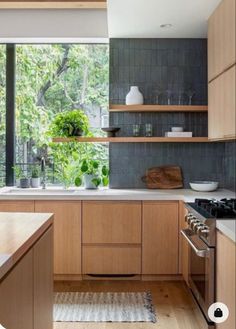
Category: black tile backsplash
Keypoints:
(179, 65)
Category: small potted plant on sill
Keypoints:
(24, 182)
(94, 175)
(69, 124)
(35, 177)
(18, 174)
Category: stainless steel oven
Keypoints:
(201, 271)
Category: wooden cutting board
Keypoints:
(164, 177)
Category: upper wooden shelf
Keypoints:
(158, 108)
(132, 139)
(52, 4)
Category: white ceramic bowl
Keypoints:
(177, 129)
(204, 186)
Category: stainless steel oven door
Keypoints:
(201, 271)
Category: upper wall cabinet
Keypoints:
(221, 113)
(221, 39)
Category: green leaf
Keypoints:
(95, 164)
(96, 181)
(78, 181)
(105, 171)
(105, 181)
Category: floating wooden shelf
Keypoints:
(158, 108)
(132, 140)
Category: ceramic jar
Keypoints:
(134, 97)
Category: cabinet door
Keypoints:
(111, 222)
(221, 107)
(43, 281)
(67, 234)
(229, 103)
(16, 206)
(16, 295)
(221, 39)
(160, 238)
(102, 259)
(225, 277)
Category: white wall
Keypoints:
(49, 24)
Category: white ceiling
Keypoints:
(142, 18)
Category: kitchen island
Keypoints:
(26, 271)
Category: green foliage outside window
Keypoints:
(51, 79)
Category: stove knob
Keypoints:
(193, 222)
(205, 232)
(199, 227)
(190, 219)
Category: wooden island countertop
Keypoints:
(18, 233)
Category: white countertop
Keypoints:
(57, 193)
(227, 227)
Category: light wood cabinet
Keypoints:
(43, 281)
(111, 222)
(16, 295)
(160, 238)
(26, 291)
(225, 277)
(221, 108)
(105, 259)
(111, 237)
(67, 234)
(16, 206)
(221, 39)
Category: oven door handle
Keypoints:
(199, 252)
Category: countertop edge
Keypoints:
(11, 260)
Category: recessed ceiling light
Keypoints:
(166, 26)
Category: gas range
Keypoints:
(202, 215)
(201, 238)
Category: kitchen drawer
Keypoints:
(111, 260)
(111, 222)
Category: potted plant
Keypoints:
(69, 124)
(35, 177)
(18, 174)
(24, 182)
(94, 175)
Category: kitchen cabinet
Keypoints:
(67, 234)
(111, 237)
(111, 222)
(109, 260)
(160, 238)
(26, 291)
(16, 206)
(16, 295)
(221, 39)
(43, 281)
(225, 277)
(221, 113)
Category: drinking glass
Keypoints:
(136, 130)
(148, 130)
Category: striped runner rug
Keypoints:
(103, 307)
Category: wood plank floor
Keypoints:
(175, 307)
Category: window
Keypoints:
(51, 79)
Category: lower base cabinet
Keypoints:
(26, 292)
(110, 260)
(160, 246)
(225, 277)
(67, 234)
